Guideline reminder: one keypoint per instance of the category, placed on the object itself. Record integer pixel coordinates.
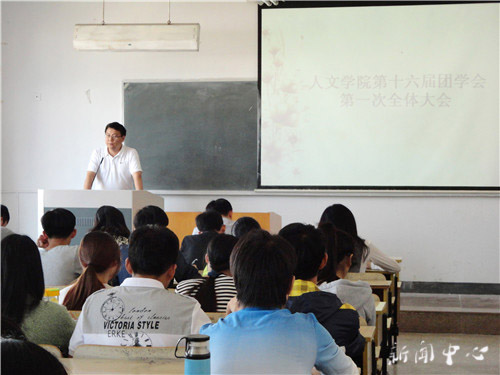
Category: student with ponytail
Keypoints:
(213, 293)
(100, 257)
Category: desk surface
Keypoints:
(119, 366)
(379, 284)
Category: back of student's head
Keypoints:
(220, 205)
(152, 250)
(342, 218)
(339, 246)
(309, 246)
(262, 266)
(27, 358)
(219, 251)
(244, 225)
(5, 215)
(116, 126)
(58, 223)
(22, 276)
(150, 215)
(209, 221)
(110, 219)
(98, 252)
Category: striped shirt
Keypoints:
(224, 289)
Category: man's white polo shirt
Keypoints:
(115, 172)
(139, 312)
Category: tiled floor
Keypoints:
(473, 354)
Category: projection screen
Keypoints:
(379, 97)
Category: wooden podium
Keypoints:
(84, 204)
(183, 223)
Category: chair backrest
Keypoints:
(355, 276)
(54, 350)
(124, 352)
(362, 321)
(215, 316)
(376, 299)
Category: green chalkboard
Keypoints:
(194, 135)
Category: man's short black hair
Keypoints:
(152, 250)
(150, 215)
(309, 246)
(262, 266)
(58, 223)
(5, 214)
(117, 126)
(220, 205)
(244, 225)
(219, 251)
(209, 221)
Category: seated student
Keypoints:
(59, 260)
(4, 220)
(341, 320)
(43, 322)
(194, 247)
(100, 257)
(24, 357)
(214, 292)
(259, 336)
(154, 215)
(223, 207)
(342, 218)
(110, 219)
(244, 225)
(340, 248)
(141, 312)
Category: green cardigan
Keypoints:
(49, 323)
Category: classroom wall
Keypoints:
(57, 100)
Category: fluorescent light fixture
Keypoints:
(137, 37)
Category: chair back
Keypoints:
(134, 353)
(215, 316)
(54, 350)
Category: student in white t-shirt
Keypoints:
(223, 207)
(60, 261)
(116, 166)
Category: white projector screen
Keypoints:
(380, 96)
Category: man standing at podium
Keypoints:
(116, 166)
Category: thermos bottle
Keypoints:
(197, 355)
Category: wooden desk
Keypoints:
(77, 366)
(381, 288)
(368, 332)
(380, 310)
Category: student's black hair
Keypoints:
(339, 244)
(309, 246)
(10, 329)
(5, 214)
(342, 218)
(150, 215)
(22, 277)
(152, 250)
(110, 219)
(244, 225)
(219, 251)
(58, 223)
(262, 266)
(209, 221)
(27, 358)
(117, 126)
(220, 205)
